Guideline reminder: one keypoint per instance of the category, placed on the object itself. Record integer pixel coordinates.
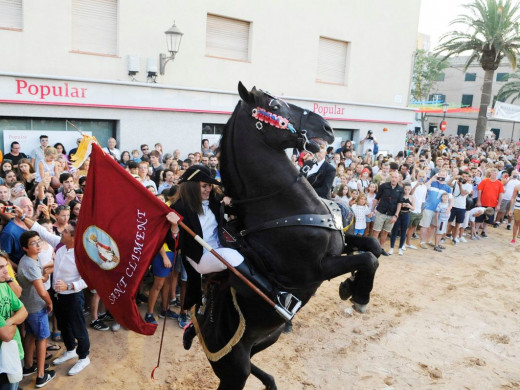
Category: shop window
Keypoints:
(11, 15)
(332, 61)
(94, 26)
(227, 38)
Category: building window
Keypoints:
(470, 77)
(496, 132)
(11, 15)
(437, 98)
(227, 38)
(332, 61)
(440, 76)
(502, 76)
(462, 129)
(467, 101)
(94, 26)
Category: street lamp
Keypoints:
(444, 110)
(173, 42)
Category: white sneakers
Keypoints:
(462, 239)
(400, 252)
(391, 251)
(79, 366)
(68, 355)
(411, 246)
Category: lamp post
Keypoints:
(173, 42)
(444, 110)
(443, 125)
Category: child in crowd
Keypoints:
(371, 195)
(342, 193)
(361, 211)
(48, 167)
(135, 156)
(443, 214)
(477, 212)
(353, 197)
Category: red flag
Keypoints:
(121, 227)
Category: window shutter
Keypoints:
(332, 61)
(11, 14)
(227, 38)
(94, 26)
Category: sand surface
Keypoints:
(436, 321)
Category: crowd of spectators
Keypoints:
(439, 191)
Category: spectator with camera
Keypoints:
(461, 189)
(369, 142)
(67, 192)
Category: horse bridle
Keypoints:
(263, 116)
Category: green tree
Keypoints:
(492, 34)
(427, 72)
(511, 89)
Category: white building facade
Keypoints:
(69, 62)
(461, 90)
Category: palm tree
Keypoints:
(493, 32)
(511, 89)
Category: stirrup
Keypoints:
(287, 305)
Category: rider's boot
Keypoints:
(286, 304)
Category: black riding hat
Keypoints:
(198, 173)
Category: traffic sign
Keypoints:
(443, 126)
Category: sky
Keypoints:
(436, 15)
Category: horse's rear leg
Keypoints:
(265, 378)
(364, 265)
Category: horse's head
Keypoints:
(283, 124)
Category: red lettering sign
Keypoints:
(330, 109)
(44, 90)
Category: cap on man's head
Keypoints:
(198, 173)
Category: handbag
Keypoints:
(10, 362)
(469, 203)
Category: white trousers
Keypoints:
(209, 263)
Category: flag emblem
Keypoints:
(101, 248)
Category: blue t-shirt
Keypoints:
(434, 193)
(10, 241)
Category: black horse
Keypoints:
(265, 186)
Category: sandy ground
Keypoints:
(436, 321)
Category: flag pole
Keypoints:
(286, 314)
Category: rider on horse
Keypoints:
(197, 203)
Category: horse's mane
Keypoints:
(227, 157)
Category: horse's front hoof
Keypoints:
(344, 290)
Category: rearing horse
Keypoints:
(259, 177)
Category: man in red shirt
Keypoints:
(490, 192)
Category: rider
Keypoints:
(195, 201)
